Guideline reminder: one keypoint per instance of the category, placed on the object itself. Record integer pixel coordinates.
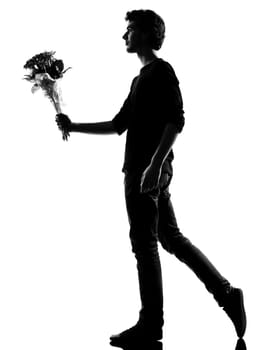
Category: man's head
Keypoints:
(145, 29)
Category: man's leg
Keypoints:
(143, 218)
(175, 243)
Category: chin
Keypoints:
(130, 50)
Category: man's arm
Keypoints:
(100, 128)
(166, 143)
(151, 175)
(117, 125)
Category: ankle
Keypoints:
(223, 295)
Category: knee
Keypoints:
(143, 248)
(175, 243)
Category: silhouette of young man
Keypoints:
(153, 116)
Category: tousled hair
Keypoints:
(151, 23)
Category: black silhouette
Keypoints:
(147, 345)
(157, 345)
(241, 345)
(153, 116)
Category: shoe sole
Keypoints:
(116, 340)
(146, 343)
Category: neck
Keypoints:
(146, 56)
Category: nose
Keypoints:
(124, 36)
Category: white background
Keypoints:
(67, 274)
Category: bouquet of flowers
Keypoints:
(45, 71)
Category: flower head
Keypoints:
(45, 62)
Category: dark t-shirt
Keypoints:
(153, 101)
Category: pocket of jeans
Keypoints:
(164, 181)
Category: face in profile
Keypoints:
(135, 38)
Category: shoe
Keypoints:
(234, 308)
(136, 334)
(241, 345)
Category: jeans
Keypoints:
(152, 219)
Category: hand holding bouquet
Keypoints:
(64, 123)
(45, 71)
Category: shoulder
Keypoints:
(166, 71)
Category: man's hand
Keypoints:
(150, 178)
(64, 123)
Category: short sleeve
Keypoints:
(121, 120)
(170, 96)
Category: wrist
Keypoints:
(73, 127)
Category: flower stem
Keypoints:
(59, 110)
